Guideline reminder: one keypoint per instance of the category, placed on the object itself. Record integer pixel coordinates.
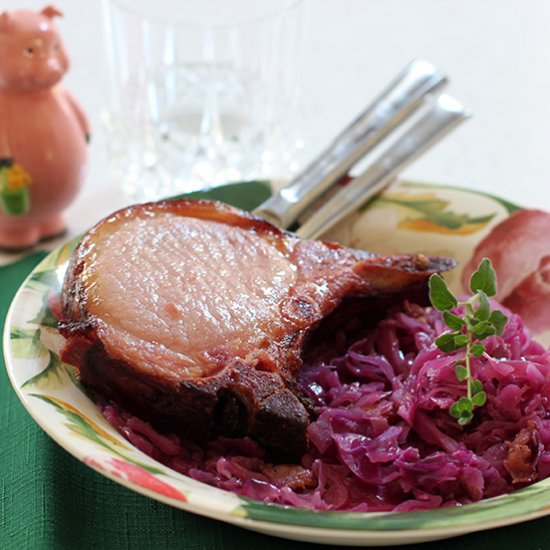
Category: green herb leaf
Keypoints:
(477, 349)
(455, 410)
(440, 295)
(465, 418)
(460, 340)
(465, 404)
(483, 329)
(445, 342)
(474, 322)
(498, 320)
(484, 278)
(453, 321)
(477, 386)
(483, 311)
(461, 373)
(479, 399)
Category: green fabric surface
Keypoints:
(49, 500)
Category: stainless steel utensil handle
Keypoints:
(445, 114)
(393, 106)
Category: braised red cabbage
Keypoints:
(383, 438)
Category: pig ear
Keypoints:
(5, 21)
(51, 12)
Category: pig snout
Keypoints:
(51, 72)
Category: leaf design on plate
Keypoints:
(26, 344)
(45, 277)
(58, 256)
(431, 214)
(531, 500)
(42, 281)
(56, 375)
(509, 206)
(82, 426)
(80, 423)
(45, 316)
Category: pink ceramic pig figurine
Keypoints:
(43, 131)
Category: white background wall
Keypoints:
(497, 53)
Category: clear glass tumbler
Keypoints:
(202, 92)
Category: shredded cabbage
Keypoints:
(383, 438)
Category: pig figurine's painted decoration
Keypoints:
(43, 131)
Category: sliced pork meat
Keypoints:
(194, 315)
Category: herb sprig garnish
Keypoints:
(478, 321)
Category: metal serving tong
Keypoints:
(412, 95)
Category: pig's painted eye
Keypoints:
(29, 52)
(56, 46)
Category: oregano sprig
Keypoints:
(477, 322)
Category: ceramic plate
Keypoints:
(410, 217)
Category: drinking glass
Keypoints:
(202, 93)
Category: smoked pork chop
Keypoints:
(194, 315)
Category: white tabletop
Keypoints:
(496, 52)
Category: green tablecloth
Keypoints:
(49, 500)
